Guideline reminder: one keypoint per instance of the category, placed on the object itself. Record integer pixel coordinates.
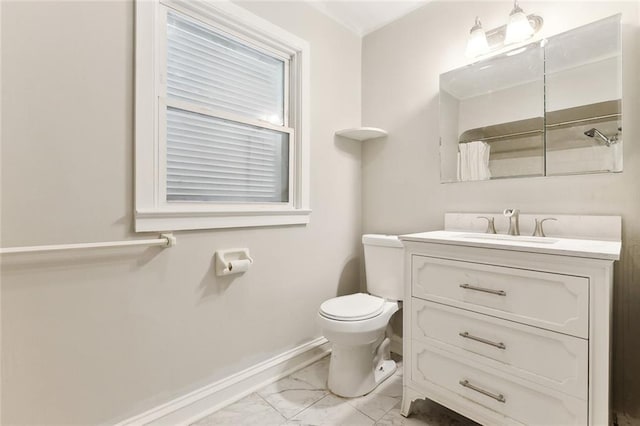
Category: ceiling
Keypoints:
(365, 16)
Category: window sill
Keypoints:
(163, 220)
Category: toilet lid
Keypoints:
(354, 307)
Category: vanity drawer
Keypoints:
(559, 361)
(510, 396)
(552, 301)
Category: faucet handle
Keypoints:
(491, 228)
(539, 231)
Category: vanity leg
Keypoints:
(408, 396)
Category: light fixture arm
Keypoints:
(516, 8)
(476, 26)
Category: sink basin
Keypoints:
(512, 238)
(595, 249)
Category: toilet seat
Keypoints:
(353, 307)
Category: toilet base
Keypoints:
(385, 370)
(357, 370)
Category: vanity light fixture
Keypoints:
(520, 27)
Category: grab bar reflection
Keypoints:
(165, 240)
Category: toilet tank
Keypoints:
(384, 265)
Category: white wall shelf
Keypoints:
(362, 133)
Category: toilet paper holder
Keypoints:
(232, 261)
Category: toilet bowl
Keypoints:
(357, 325)
(360, 347)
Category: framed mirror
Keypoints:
(552, 107)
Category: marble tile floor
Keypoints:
(303, 399)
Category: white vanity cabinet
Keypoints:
(508, 334)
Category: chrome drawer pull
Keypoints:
(499, 397)
(466, 335)
(485, 290)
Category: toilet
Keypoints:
(356, 324)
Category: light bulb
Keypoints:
(477, 43)
(518, 27)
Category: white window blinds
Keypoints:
(219, 91)
(210, 159)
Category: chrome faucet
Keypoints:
(512, 215)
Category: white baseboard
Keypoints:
(204, 401)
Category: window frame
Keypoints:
(152, 211)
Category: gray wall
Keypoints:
(401, 185)
(95, 337)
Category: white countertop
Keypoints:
(595, 249)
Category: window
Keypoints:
(221, 125)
